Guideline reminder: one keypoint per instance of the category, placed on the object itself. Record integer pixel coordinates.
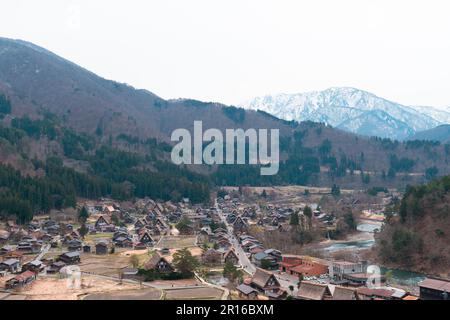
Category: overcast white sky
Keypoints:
(232, 50)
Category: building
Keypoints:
(7, 249)
(20, 280)
(265, 261)
(231, 257)
(159, 264)
(247, 292)
(274, 253)
(305, 266)
(104, 224)
(55, 267)
(434, 289)
(265, 281)
(338, 269)
(74, 245)
(361, 279)
(239, 225)
(101, 247)
(10, 265)
(70, 257)
(365, 293)
(313, 291)
(123, 242)
(35, 266)
(342, 293)
(145, 237)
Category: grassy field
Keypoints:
(94, 238)
(108, 265)
(177, 242)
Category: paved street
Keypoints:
(244, 261)
(43, 252)
(285, 280)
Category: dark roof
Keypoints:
(245, 289)
(102, 243)
(58, 264)
(121, 239)
(35, 263)
(71, 254)
(261, 256)
(10, 262)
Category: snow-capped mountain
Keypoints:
(352, 110)
(442, 116)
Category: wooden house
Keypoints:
(231, 257)
(313, 291)
(104, 224)
(247, 292)
(265, 281)
(365, 293)
(10, 265)
(21, 280)
(101, 247)
(158, 263)
(434, 289)
(145, 237)
(70, 257)
(35, 266)
(123, 242)
(74, 245)
(343, 293)
(55, 267)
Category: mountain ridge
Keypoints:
(440, 133)
(102, 112)
(337, 105)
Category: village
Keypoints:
(154, 250)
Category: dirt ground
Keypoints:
(195, 251)
(50, 288)
(177, 283)
(110, 264)
(193, 294)
(139, 294)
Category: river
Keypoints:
(365, 240)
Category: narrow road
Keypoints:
(244, 261)
(43, 252)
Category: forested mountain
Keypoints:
(440, 133)
(66, 132)
(417, 236)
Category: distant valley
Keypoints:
(66, 132)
